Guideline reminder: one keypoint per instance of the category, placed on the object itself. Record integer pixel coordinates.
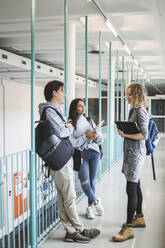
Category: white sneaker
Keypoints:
(89, 213)
(99, 208)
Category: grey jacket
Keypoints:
(59, 125)
(135, 150)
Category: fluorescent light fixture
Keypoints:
(110, 26)
(127, 49)
(112, 29)
(16, 48)
(135, 61)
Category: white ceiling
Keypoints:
(140, 23)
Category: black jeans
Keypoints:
(135, 199)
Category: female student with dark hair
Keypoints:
(134, 158)
(84, 128)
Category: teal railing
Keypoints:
(14, 200)
(15, 193)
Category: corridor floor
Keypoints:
(112, 192)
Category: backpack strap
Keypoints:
(153, 166)
(43, 115)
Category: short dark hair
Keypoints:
(73, 115)
(50, 87)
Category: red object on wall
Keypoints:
(18, 195)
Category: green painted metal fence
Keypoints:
(14, 200)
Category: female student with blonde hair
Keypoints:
(134, 157)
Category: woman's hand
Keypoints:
(91, 135)
(121, 133)
(136, 136)
(68, 125)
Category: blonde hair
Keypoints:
(139, 95)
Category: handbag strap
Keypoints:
(90, 121)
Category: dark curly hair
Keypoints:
(73, 115)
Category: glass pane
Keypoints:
(158, 107)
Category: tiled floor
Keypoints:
(112, 192)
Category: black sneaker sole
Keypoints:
(82, 242)
(92, 236)
(77, 241)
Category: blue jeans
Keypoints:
(87, 173)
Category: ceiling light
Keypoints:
(16, 49)
(112, 29)
(135, 61)
(127, 49)
(110, 26)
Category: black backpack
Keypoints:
(54, 154)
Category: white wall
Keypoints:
(92, 92)
(17, 119)
(16, 135)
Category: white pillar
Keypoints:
(71, 61)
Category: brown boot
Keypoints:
(138, 222)
(125, 233)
